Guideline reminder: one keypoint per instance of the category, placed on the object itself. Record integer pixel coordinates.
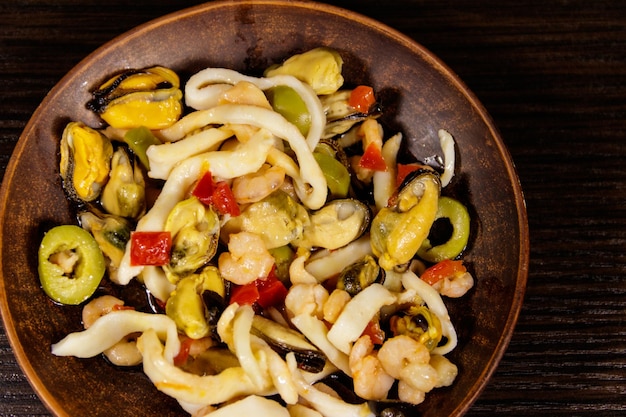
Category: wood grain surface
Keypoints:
(552, 74)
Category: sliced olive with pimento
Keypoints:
(71, 264)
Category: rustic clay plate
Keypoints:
(420, 95)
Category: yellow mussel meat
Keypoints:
(85, 161)
(399, 229)
(149, 97)
(125, 193)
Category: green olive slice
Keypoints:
(459, 218)
(71, 264)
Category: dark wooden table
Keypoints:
(552, 73)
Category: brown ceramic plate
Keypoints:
(420, 95)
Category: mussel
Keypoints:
(336, 224)
(149, 97)
(278, 219)
(355, 277)
(125, 192)
(195, 230)
(319, 67)
(112, 234)
(85, 161)
(341, 116)
(187, 304)
(419, 323)
(399, 229)
(283, 340)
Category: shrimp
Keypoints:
(123, 353)
(455, 286)
(421, 376)
(410, 395)
(371, 382)
(335, 304)
(255, 186)
(247, 259)
(399, 351)
(98, 307)
(245, 92)
(407, 360)
(446, 370)
(297, 272)
(306, 299)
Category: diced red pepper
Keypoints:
(150, 248)
(244, 294)
(404, 170)
(224, 200)
(203, 190)
(266, 292)
(271, 290)
(219, 195)
(373, 330)
(183, 354)
(362, 98)
(444, 269)
(373, 158)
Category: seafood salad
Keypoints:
(287, 252)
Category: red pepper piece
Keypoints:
(219, 195)
(373, 158)
(266, 292)
(444, 269)
(150, 248)
(271, 290)
(373, 330)
(404, 170)
(362, 98)
(224, 200)
(244, 294)
(203, 190)
(183, 354)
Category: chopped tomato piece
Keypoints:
(373, 158)
(224, 200)
(444, 269)
(150, 248)
(362, 98)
